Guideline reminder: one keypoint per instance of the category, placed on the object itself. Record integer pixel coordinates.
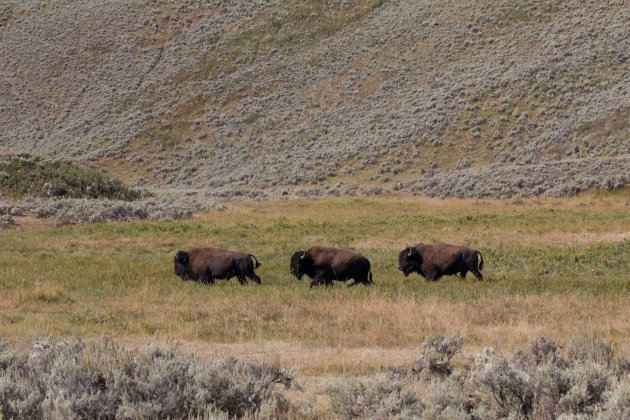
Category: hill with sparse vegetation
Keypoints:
(260, 99)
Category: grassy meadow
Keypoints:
(553, 267)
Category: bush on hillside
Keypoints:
(26, 175)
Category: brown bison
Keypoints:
(432, 261)
(207, 264)
(325, 264)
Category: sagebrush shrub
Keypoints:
(545, 350)
(589, 383)
(452, 398)
(101, 380)
(617, 404)
(509, 386)
(622, 366)
(540, 383)
(436, 353)
(6, 221)
(591, 349)
(377, 397)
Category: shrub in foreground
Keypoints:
(534, 383)
(376, 397)
(436, 353)
(101, 380)
(541, 381)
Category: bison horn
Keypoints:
(409, 247)
(302, 256)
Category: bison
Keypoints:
(325, 264)
(207, 264)
(432, 261)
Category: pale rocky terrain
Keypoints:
(202, 101)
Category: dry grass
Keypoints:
(554, 267)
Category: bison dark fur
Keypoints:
(207, 264)
(325, 264)
(432, 261)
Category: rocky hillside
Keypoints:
(267, 98)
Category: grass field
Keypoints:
(553, 267)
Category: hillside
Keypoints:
(225, 99)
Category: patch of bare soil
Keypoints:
(32, 222)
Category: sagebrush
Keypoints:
(102, 380)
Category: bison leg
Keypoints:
(473, 265)
(463, 273)
(241, 279)
(355, 282)
(317, 282)
(366, 280)
(206, 278)
(432, 274)
(319, 279)
(254, 277)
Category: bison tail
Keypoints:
(257, 263)
(370, 277)
(480, 260)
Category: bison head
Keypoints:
(409, 261)
(182, 266)
(301, 264)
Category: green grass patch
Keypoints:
(251, 118)
(118, 278)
